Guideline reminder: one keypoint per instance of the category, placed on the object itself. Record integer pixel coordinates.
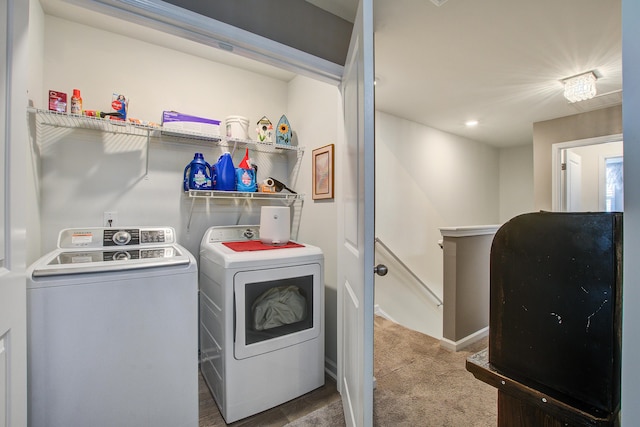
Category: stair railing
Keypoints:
(399, 261)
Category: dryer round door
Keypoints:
(277, 308)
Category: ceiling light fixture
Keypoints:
(580, 87)
(471, 123)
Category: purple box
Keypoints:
(175, 121)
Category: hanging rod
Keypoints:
(424, 285)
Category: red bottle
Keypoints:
(76, 102)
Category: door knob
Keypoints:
(381, 270)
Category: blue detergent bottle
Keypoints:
(246, 174)
(198, 175)
(225, 173)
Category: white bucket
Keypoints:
(275, 225)
(237, 127)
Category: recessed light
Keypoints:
(471, 123)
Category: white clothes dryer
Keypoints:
(261, 320)
(112, 330)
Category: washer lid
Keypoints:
(62, 262)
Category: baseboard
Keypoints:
(380, 312)
(464, 342)
(331, 368)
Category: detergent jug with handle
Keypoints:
(198, 175)
(246, 174)
(225, 173)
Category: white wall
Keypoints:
(316, 124)
(631, 293)
(153, 78)
(81, 176)
(426, 179)
(516, 181)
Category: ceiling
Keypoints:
(495, 61)
(499, 62)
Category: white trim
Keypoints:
(470, 230)
(380, 312)
(331, 368)
(556, 163)
(464, 342)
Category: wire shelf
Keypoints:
(65, 120)
(217, 194)
(56, 119)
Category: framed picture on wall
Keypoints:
(322, 163)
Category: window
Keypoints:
(614, 195)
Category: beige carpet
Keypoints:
(419, 384)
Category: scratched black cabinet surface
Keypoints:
(556, 289)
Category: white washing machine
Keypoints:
(261, 320)
(112, 330)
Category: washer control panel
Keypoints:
(106, 237)
(233, 233)
(93, 256)
(121, 237)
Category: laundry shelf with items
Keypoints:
(48, 123)
(76, 121)
(224, 180)
(268, 156)
(286, 198)
(226, 142)
(294, 200)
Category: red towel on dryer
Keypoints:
(257, 245)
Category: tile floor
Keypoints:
(275, 417)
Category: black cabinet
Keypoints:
(556, 295)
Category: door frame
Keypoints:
(14, 46)
(556, 163)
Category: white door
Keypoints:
(13, 140)
(573, 180)
(356, 244)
